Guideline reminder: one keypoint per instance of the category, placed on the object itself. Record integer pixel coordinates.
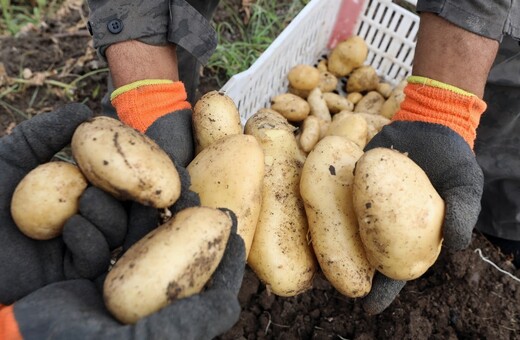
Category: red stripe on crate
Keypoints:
(345, 21)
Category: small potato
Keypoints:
(326, 189)
(173, 261)
(347, 55)
(400, 214)
(46, 198)
(362, 79)
(337, 103)
(328, 82)
(385, 89)
(354, 97)
(303, 77)
(393, 103)
(310, 134)
(125, 163)
(292, 107)
(375, 123)
(351, 126)
(318, 105)
(229, 174)
(370, 103)
(322, 65)
(215, 116)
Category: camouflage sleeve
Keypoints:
(155, 22)
(491, 19)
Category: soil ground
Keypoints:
(460, 297)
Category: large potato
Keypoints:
(125, 163)
(46, 197)
(215, 116)
(229, 174)
(280, 254)
(326, 189)
(175, 260)
(399, 212)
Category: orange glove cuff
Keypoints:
(141, 103)
(8, 326)
(434, 102)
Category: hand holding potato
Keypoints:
(84, 248)
(453, 171)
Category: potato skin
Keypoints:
(125, 163)
(347, 55)
(229, 174)
(400, 214)
(215, 116)
(173, 261)
(303, 77)
(291, 106)
(46, 197)
(280, 254)
(326, 189)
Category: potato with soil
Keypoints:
(229, 174)
(125, 163)
(370, 103)
(174, 261)
(303, 77)
(351, 126)
(362, 79)
(46, 198)
(215, 116)
(326, 189)
(400, 214)
(347, 56)
(291, 106)
(280, 254)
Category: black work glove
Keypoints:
(83, 251)
(451, 166)
(75, 309)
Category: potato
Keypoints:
(318, 105)
(384, 89)
(393, 103)
(280, 254)
(370, 103)
(337, 103)
(328, 82)
(347, 55)
(229, 174)
(375, 123)
(326, 189)
(354, 97)
(171, 262)
(125, 163)
(46, 198)
(291, 106)
(303, 77)
(351, 126)
(362, 79)
(322, 66)
(310, 134)
(400, 214)
(300, 93)
(215, 116)
(267, 119)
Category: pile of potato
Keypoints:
(323, 203)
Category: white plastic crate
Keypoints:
(389, 30)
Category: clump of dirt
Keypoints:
(460, 297)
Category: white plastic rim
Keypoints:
(389, 30)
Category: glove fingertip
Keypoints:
(383, 293)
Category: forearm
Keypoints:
(453, 55)
(132, 60)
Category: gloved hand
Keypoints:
(436, 126)
(83, 251)
(75, 309)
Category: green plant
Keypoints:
(17, 14)
(241, 43)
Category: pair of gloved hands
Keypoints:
(53, 288)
